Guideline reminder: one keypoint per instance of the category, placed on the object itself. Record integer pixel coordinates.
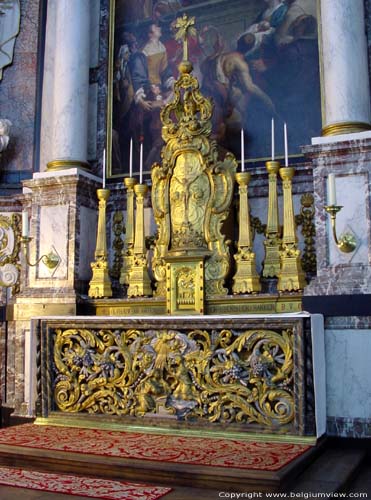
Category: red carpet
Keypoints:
(75, 485)
(215, 452)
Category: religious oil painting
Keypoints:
(256, 60)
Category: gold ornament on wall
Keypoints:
(10, 238)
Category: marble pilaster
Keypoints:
(62, 205)
(63, 213)
(341, 273)
(68, 42)
(345, 79)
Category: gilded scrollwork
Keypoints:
(118, 230)
(224, 376)
(10, 231)
(306, 220)
(192, 189)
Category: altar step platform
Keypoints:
(184, 464)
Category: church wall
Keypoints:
(348, 347)
(18, 93)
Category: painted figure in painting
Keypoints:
(258, 66)
(227, 78)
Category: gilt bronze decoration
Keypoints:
(291, 277)
(191, 194)
(128, 251)
(100, 284)
(222, 376)
(272, 242)
(246, 279)
(10, 237)
(347, 242)
(139, 281)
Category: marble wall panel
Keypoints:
(18, 93)
(352, 192)
(53, 224)
(87, 238)
(350, 160)
(347, 369)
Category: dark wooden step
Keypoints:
(331, 472)
(165, 473)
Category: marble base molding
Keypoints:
(349, 427)
(54, 165)
(345, 128)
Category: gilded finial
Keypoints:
(185, 26)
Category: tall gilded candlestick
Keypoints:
(246, 279)
(128, 250)
(291, 277)
(139, 281)
(100, 284)
(272, 242)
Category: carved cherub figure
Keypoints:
(4, 133)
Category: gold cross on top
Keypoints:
(186, 28)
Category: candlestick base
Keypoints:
(100, 284)
(139, 282)
(291, 277)
(272, 263)
(246, 279)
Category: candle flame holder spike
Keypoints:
(347, 242)
(51, 260)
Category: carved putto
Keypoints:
(4, 133)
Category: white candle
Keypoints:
(25, 226)
(286, 148)
(104, 168)
(272, 129)
(141, 164)
(131, 159)
(331, 190)
(242, 151)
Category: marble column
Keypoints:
(71, 47)
(345, 79)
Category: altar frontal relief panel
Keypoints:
(243, 373)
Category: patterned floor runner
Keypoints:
(215, 452)
(76, 485)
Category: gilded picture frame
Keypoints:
(281, 74)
